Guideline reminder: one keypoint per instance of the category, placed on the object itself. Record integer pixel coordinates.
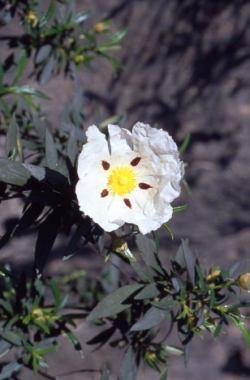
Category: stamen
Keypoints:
(105, 165)
(144, 186)
(104, 193)
(135, 161)
(127, 202)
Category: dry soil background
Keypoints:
(187, 69)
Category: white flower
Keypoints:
(130, 178)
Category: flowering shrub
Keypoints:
(110, 188)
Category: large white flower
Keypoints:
(131, 177)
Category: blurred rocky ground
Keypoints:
(186, 68)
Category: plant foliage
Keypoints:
(136, 311)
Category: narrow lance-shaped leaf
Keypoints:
(43, 53)
(11, 138)
(13, 173)
(152, 318)
(77, 345)
(185, 144)
(149, 291)
(47, 70)
(128, 370)
(9, 369)
(72, 146)
(21, 65)
(147, 248)
(47, 234)
(114, 303)
(50, 151)
(164, 375)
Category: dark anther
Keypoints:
(144, 186)
(127, 202)
(105, 165)
(135, 161)
(104, 193)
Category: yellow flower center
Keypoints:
(122, 180)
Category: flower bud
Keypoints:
(78, 58)
(121, 246)
(244, 281)
(100, 27)
(32, 18)
(213, 274)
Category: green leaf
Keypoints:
(51, 155)
(7, 306)
(189, 259)
(47, 233)
(166, 226)
(11, 337)
(13, 173)
(166, 303)
(37, 172)
(81, 17)
(9, 369)
(29, 217)
(164, 375)
(47, 70)
(20, 67)
(152, 318)
(114, 40)
(1, 74)
(141, 273)
(11, 138)
(174, 350)
(49, 14)
(72, 149)
(185, 144)
(43, 53)
(128, 369)
(102, 337)
(149, 291)
(77, 345)
(56, 293)
(178, 209)
(238, 321)
(148, 250)
(4, 348)
(114, 303)
(23, 90)
(73, 244)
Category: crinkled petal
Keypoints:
(118, 139)
(159, 167)
(88, 192)
(155, 140)
(93, 152)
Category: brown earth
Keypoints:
(186, 68)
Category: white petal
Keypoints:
(118, 138)
(159, 167)
(88, 192)
(156, 140)
(93, 152)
